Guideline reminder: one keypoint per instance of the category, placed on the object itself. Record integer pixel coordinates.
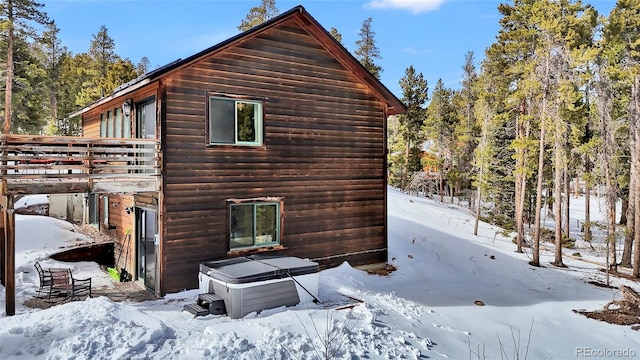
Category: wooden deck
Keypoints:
(51, 164)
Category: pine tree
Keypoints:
(509, 62)
(439, 126)
(367, 49)
(619, 63)
(259, 14)
(485, 109)
(143, 66)
(118, 73)
(102, 51)
(101, 69)
(336, 35)
(414, 96)
(72, 78)
(54, 53)
(467, 128)
(16, 17)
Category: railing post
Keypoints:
(90, 166)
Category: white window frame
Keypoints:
(254, 204)
(257, 122)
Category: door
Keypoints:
(146, 123)
(146, 245)
(146, 119)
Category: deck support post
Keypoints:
(9, 218)
(2, 242)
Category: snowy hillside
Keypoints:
(453, 296)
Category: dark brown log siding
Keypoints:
(323, 153)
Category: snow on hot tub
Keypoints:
(258, 282)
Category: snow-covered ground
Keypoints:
(425, 309)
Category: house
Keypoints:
(271, 142)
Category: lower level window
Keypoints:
(254, 224)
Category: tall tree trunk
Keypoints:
(629, 212)
(629, 234)
(478, 197)
(535, 261)
(405, 171)
(558, 170)
(635, 174)
(623, 211)
(441, 186)
(566, 226)
(9, 80)
(481, 154)
(611, 218)
(519, 175)
(587, 204)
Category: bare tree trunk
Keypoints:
(482, 148)
(519, 175)
(587, 206)
(624, 210)
(566, 226)
(557, 193)
(535, 261)
(405, 172)
(441, 186)
(635, 174)
(628, 213)
(611, 218)
(451, 189)
(9, 81)
(478, 197)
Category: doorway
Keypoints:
(146, 246)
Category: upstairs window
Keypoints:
(236, 122)
(103, 125)
(254, 224)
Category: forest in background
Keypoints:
(554, 103)
(556, 98)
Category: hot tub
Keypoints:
(258, 282)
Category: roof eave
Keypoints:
(110, 97)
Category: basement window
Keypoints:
(235, 122)
(254, 223)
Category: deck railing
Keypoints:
(55, 164)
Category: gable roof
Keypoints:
(306, 21)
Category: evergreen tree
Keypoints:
(336, 35)
(54, 53)
(30, 96)
(143, 66)
(16, 19)
(119, 72)
(102, 51)
(563, 28)
(466, 129)
(438, 127)
(259, 14)
(406, 159)
(101, 69)
(485, 110)
(367, 49)
(509, 63)
(71, 85)
(619, 98)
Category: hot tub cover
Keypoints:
(254, 268)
